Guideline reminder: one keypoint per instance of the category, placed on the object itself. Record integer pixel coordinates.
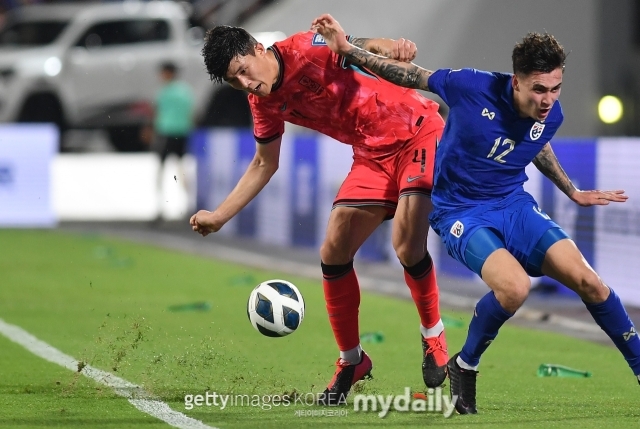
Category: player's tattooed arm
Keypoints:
(365, 44)
(397, 49)
(398, 70)
(404, 74)
(377, 46)
(548, 165)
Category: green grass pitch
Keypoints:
(111, 304)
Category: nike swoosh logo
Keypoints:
(411, 179)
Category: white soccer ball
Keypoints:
(275, 308)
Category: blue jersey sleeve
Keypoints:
(450, 84)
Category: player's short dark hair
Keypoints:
(538, 53)
(221, 45)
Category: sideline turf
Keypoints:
(107, 302)
(37, 393)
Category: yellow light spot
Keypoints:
(610, 109)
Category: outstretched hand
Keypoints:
(203, 223)
(598, 198)
(326, 26)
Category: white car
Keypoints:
(96, 65)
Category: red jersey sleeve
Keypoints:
(266, 126)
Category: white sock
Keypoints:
(352, 356)
(462, 364)
(433, 331)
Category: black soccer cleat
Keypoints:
(434, 360)
(463, 387)
(346, 375)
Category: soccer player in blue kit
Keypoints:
(499, 123)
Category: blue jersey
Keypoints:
(486, 145)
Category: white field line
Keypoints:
(134, 394)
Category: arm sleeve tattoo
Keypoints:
(404, 74)
(548, 165)
(372, 46)
(359, 42)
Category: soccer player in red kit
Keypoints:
(394, 132)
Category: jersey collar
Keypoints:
(507, 96)
(276, 53)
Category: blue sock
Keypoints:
(611, 316)
(487, 319)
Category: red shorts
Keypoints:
(382, 180)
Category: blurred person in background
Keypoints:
(173, 114)
(172, 121)
(498, 124)
(393, 132)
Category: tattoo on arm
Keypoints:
(360, 42)
(371, 46)
(404, 74)
(548, 165)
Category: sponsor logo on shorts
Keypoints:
(412, 178)
(536, 131)
(457, 229)
(541, 213)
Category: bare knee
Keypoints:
(512, 292)
(590, 287)
(334, 254)
(410, 254)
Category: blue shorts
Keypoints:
(515, 223)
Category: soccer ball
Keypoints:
(275, 308)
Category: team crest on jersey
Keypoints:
(536, 131)
(457, 229)
(318, 40)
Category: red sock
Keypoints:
(421, 279)
(342, 296)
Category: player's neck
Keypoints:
(517, 105)
(274, 66)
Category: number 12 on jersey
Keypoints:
(496, 144)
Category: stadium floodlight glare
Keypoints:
(610, 109)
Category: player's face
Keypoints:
(251, 73)
(534, 94)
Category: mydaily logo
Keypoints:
(433, 402)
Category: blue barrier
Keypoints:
(300, 199)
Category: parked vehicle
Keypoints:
(96, 65)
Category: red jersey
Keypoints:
(318, 89)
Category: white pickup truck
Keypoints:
(96, 65)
